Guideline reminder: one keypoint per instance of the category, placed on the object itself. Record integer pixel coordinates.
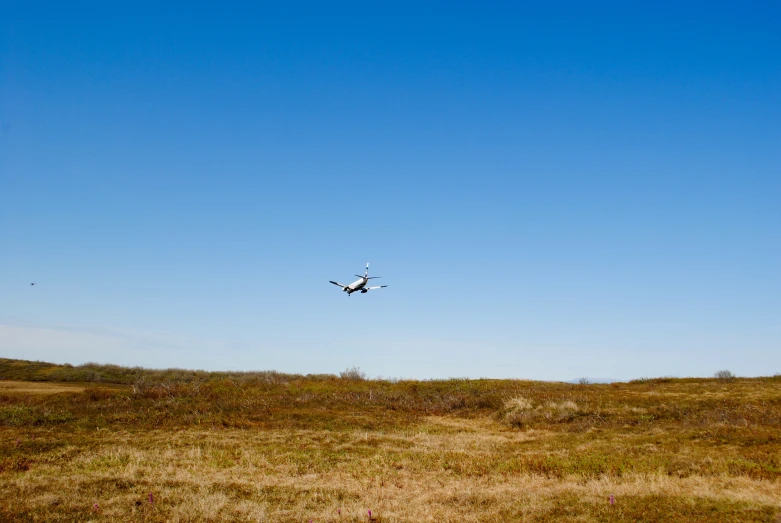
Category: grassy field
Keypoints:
(106, 443)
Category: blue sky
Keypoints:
(549, 192)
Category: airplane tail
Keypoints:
(366, 274)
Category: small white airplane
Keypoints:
(360, 285)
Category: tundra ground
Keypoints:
(183, 446)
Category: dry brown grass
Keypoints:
(668, 450)
(29, 387)
(444, 470)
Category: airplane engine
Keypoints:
(364, 291)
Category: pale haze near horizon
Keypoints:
(549, 194)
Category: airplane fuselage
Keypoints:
(356, 286)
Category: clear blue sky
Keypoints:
(550, 192)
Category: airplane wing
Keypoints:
(339, 284)
(377, 287)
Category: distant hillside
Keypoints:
(594, 380)
(24, 370)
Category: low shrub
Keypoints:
(353, 373)
(724, 375)
(519, 412)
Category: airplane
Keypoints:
(360, 285)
